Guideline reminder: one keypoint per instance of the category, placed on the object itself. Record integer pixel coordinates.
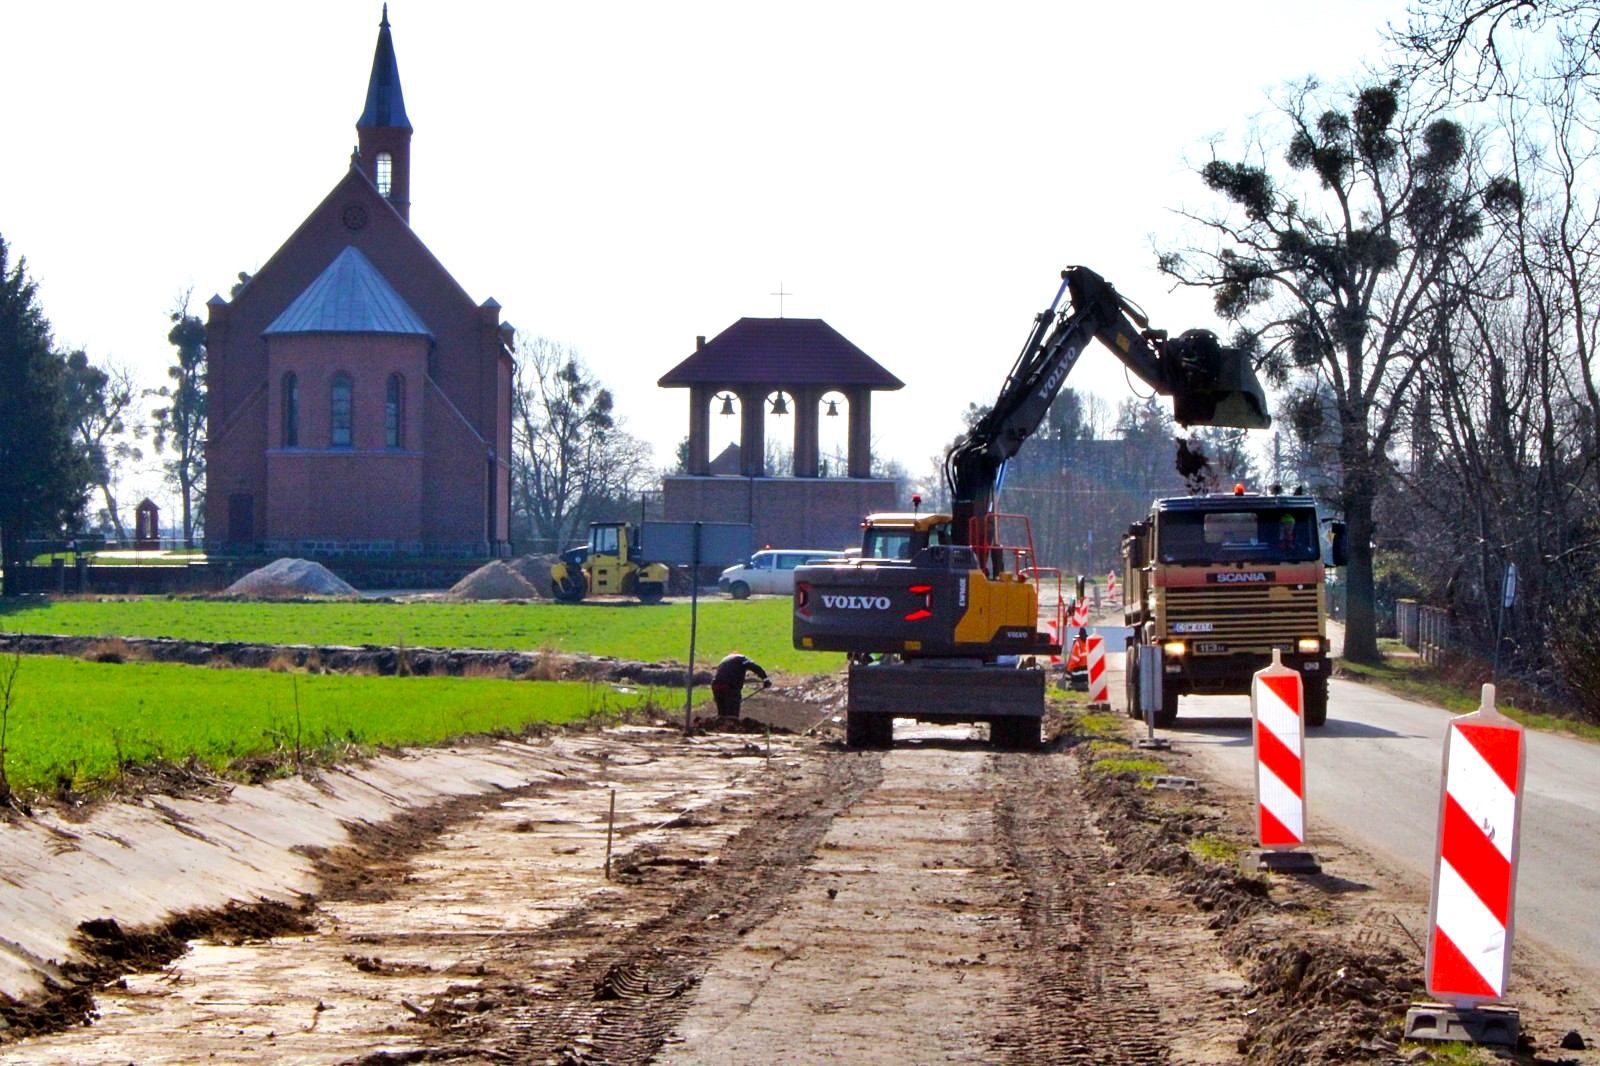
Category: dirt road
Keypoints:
(937, 903)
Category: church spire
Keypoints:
(386, 106)
(383, 131)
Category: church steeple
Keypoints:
(383, 131)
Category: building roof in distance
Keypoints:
(780, 351)
(350, 296)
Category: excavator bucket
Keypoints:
(1228, 394)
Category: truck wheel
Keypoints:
(868, 730)
(1014, 733)
(651, 591)
(1130, 675)
(1169, 707)
(739, 590)
(1315, 694)
(567, 589)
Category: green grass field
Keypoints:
(758, 627)
(72, 723)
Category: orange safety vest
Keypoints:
(1078, 658)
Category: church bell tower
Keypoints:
(383, 131)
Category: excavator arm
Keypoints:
(1209, 384)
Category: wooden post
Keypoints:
(611, 821)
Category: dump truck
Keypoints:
(939, 607)
(1213, 584)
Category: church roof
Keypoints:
(386, 106)
(350, 296)
(780, 351)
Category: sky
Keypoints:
(622, 177)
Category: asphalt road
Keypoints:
(1373, 776)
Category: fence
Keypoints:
(1425, 629)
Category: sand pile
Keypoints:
(494, 581)
(535, 569)
(290, 579)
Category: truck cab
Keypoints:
(1218, 582)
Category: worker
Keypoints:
(1286, 533)
(1078, 656)
(727, 684)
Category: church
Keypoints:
(359, 401)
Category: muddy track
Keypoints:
(625, 991)
(1083, 999)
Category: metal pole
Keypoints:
(1508, 589)
(694, 624)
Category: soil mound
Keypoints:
(290, 579)
(493, 581)
(535, 569)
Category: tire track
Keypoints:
(625, 989)
(1084, 998)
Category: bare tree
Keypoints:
(100, 399)
(1479, 49)
(1504, 461)
(572, 461)
(1335, 258)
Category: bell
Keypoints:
(727, 403)
(833, 408)
(779, 407)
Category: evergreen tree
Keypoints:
(43, 476)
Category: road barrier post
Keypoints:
(1277, 712)
(1099, 682)
(1474, 882)
(1054, 631)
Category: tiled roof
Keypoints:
(349, 297)
(780, 351)
(386, 106)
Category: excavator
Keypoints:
(938, 608)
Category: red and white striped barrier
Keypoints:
(1099, 681)
(1054, 632)
(1111, 585)
(1475, 866)
(1080, 614)
(1275, 704)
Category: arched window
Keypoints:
(394, 412)
(341, 415)
(291, 410)
(385, 171)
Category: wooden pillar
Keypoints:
(806, 437)
(700, 398)
(860, 432)
(753, 431)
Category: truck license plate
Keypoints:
(1204, 648)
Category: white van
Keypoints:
(770, 571)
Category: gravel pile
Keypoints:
(494, 581)
(291, 579)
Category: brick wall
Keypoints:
(785, 512)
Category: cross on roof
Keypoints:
(780, 294)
